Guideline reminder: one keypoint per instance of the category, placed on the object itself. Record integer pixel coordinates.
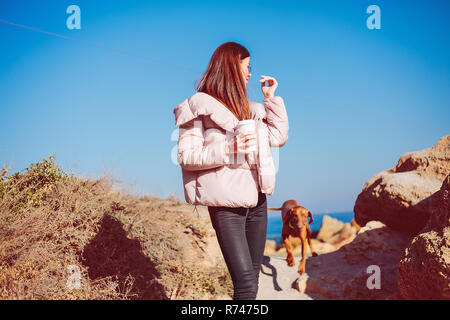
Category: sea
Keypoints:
(274, 223)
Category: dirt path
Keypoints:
(276, 279)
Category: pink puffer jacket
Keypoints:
(212, 177)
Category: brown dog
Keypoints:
(295, 224)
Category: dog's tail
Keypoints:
(275, 208)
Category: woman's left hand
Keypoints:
(269, 91)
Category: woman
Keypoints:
(218, 171)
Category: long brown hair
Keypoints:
(224, 81)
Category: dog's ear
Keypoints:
(288, 215)
(310, 217)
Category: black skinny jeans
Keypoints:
(241, 233)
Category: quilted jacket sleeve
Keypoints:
(193, 154)
(277, 121)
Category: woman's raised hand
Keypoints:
(269, 91)
(241, 142)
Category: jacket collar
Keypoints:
(203, 104)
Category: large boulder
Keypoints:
(347, 272)
(400, 197)
(329, 228)
(335, 232)
(424, 271)
(343, 236)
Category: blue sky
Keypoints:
(357, 99)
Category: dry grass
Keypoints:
(124, 246)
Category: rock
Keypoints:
(329, 227)
(371, 225)
(343, 274)
(300, 283)
(343, 236)
(335, 232)
(355, 225)
(424, 271)
(321, 247)
(400, 197)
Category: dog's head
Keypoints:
(298, 218)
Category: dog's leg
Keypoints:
(301, 268)
(287, 244)
(308, 234)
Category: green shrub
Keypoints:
(21, 190)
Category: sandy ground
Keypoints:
(276, 279)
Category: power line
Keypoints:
(100, 46)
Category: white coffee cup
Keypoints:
(247, 126)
